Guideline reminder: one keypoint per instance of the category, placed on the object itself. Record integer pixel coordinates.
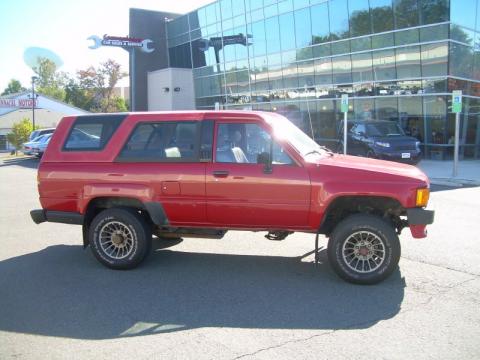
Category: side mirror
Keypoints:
(265, 159)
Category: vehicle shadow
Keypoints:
(63, 291)
(29, 162)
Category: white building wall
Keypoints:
(171, 89)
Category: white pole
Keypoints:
(345, 133)
(456, 144)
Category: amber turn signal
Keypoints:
(422, 197)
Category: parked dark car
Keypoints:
(381, 139)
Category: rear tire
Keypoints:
(364, 249)
(120, 238)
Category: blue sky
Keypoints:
(63, 26)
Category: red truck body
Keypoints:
(209, 194)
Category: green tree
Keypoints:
(20, 133)
(13, 87)
(93, 89)
(50, 81)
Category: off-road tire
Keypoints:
(136, 230)
(381, 235)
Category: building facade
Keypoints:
(397, 60)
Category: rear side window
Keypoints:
(164, 142)
(92, 132)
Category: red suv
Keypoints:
(124, 177)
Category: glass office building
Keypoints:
(397, 60)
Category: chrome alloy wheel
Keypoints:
(116, 240)
(363, 251)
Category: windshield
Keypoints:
(284, 129)
(384, 129)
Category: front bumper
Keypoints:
(418, 219)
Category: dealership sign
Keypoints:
(18, 103)
(123, 42)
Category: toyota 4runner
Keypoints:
(126, 177)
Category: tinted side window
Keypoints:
(166, 141)
(92, 132)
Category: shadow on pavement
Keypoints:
(63, 291)
(29, 162)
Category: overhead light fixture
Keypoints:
(166, 89)
(176, 89)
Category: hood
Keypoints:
(377, 169)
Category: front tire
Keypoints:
(364, 249)
(120, 238)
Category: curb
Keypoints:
(454, 182)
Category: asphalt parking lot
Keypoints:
(239, 297)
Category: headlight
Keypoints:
(382, 144)
(417, 144)
(422, 197)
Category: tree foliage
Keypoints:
(93, 88)
(20, 133)
(50, 82)
(13, 87)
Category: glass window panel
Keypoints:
(408, 62)
(290, 77)
(461, 61)
(363, 89)
(433, 33)
(288, 56)
(303, 27)
(342, 69)
(275, 76)
(384, 65)
(321, 50)
(360, 44)
(271, 10)
(258, 39)
(463, 12)
(255, 4)
(340, 47)
(257, 15)
(476, 65)
(285, 6)
(360, 21)
(320, 29)
(193, 20)
(323, 71)
(406, 37)
(304, 54)
(364, 109)
(238, 8)
(386, 109)
(298, 4)
(435, 109)
(226, 8)
(431, 86)
(339, 27)
(461, 34)
(197, 54)
(435, 59)
(306, 74)
(382, 15)
(287, 31)
(432, 12)
(362, 67)
(273, 35)
(239, 21)
(410, 112)
(383, 40)
(406, 13)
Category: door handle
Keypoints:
(220, 173)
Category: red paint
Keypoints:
(240, 196)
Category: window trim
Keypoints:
(93, 119)
(194, 159)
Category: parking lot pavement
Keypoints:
(239, 297)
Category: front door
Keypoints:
(240, 193)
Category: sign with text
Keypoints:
(457, 101)
(344, 103)
(17, 103)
